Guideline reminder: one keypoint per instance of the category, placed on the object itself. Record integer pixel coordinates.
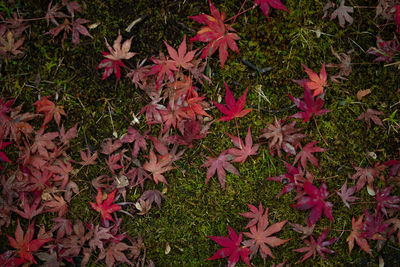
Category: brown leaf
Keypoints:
(362, 93)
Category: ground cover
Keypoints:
(160, 176)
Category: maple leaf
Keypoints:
(172, 115)
(24, 244)
(191, 130)
(315, 200)
(163, 67)
(10, 46)
(345, 65)
(30, 211)
(395, 222)
(342, 13)
(53, 12)
(50, 110)
(306, 153)
(284, 137)
(309, 106)
(397, 16)
(157, 166)
(293, 179)
(374, 226)
(385, 50)
(3, 156)
(134, 136)
(66, 137)
(217, 34)
(244, 151)
(88, 159)
(366, 175)
(232, 109)
(319, 246)
(152, 196)
(180, 57)
(265, 6)
(110, 67)
(356, 235)
(369, 115)
(114, 252)
(231, 247)
(394, 165)
(109, 146)
(118, 51)
(58, 204)
(195, 105)
(261, 239)
(304, 230)
(63, 227)
(385, 201)
(63, 170)
(254, 214)
(316, 83)
(346, 194)
(105, 207)
(219, 165)
(78, 28)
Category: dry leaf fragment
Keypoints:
(362, 93)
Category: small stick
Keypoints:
(320, 132)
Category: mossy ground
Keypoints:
(192, 209)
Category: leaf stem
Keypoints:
(239, 14)
(319, 131)
(244, 2)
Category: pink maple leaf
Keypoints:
(180, 57)
(105, 207)
(242, 151)
(219, 165)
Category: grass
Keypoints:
(192, 210)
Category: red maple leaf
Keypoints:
(162, 67)
(219, 165)
(233, 109)
(50, 110)
(110, 66)
(317, 246)
(261, 239)
(3, 156)
(397, 16)
(306, 153)
(243, 151)
(105, 207)
(231, 247)
(217, 34)
(265, 5)
(88, 158)
(180, 57)
(24, 244)
(309, 106)
(357, 235)
(315, 201)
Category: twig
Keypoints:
(320, 132)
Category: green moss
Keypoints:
(193, 209)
